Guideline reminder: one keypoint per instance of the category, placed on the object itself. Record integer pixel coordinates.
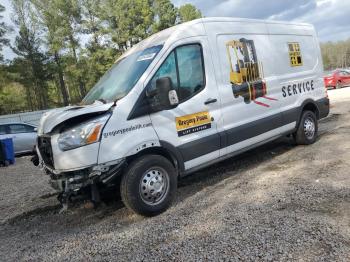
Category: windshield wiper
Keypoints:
(102, 100)
(116, 100)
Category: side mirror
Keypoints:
(173, 98)
(163, 96)
(35, 129)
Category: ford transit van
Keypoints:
(185, 98)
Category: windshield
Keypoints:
(121, 78)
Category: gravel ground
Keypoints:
(275, 203)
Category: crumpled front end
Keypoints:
(68, 147)
(87, 182)
(69, 137)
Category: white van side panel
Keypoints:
(240, 124)
(295, 82)
(193, 143)
(271, 43)
(121, 138)
(237, 113)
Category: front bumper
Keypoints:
(71, 183)
(70, 177)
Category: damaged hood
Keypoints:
(54, 117)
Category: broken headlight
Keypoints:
(83, 134)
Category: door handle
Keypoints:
(210, 101)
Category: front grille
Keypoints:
(44, 146)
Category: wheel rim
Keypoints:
(154, 186)
(309, 128)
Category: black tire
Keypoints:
(303, 134)
(131, 185)
(338, 86)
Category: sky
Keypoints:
(330, 17)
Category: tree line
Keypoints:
(336, 55)
(63, 47)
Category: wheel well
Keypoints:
(313, 108)
(156, 151)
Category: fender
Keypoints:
(320, 107)
(175, 153)
(142, 146)
(159, 147)
(309, 104)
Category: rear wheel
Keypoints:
(149, 186)
(307, 130)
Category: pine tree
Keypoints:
(188, 12)
(164, 15)
(27, 46)
(3, 30)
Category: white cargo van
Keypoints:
(183, 99)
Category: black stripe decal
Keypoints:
(252, 129)
(238, 134)
(235, 135)
(200, 147)
(290, 116)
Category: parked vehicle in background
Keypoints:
(337, 79)
(23, 135)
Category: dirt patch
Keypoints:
(278, 202)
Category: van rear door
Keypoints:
(191, 126)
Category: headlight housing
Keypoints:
(83, 134)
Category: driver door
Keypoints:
(191, 126)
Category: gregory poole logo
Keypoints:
(193, 123)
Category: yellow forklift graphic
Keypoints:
(246, 72)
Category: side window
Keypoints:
(16, 129)
(167, 69)
(185, 67)
(191, 70)
(29, 129)
(3, 130)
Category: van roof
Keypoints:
(186, 28)
(247, 20)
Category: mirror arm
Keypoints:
(151, 93)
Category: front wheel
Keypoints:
(307, 130)
(338, 86)
(149, 186)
